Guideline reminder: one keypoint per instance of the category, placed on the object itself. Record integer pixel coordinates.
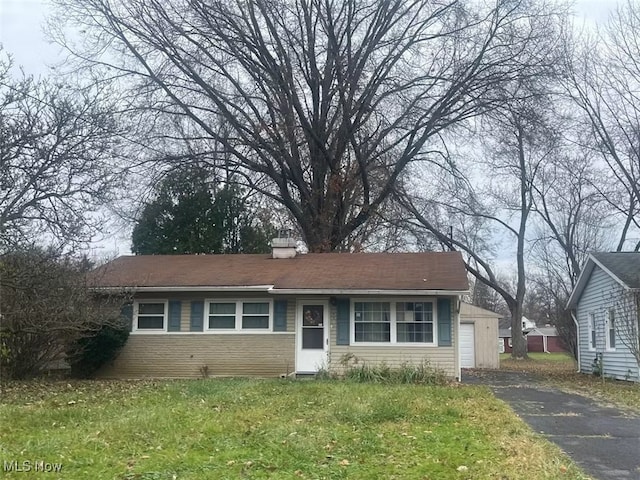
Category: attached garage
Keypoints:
(478, 337)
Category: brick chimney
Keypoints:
(284, 246)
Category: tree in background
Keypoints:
(603, 79)
(326, 103)
(187, 217)
(497, 191)
(486, 297)
(58, 161)
(572, 218)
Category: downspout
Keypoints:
(456, 343)
(575, 320)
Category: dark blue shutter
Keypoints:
(343, 321)
(197, 315)
(126, 312)
(175, 308)
(444, 322)
(280, 316)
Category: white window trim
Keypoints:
(607, 338)
(238, 329)
(591, 328)
(134, 320)
(393, 324)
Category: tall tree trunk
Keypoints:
(518, 341)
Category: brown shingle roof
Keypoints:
(377, 271)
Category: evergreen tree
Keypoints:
(186, 218)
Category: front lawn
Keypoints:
(544, 362)
(271, 429)
(559, 370)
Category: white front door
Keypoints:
(312, 336)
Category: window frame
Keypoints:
(592, 339)
(393, 322)
(433, 321)
(208, 314)
(238, 316)
(391, 305)
(608, 328)
(165, 319)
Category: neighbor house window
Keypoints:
(151, 315)
(222, 315)
(592, 331)
(372, 321)
(611, 329)
(414, 322)
(237, 315)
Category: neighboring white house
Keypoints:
(604, 306)
(527, 324)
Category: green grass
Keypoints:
(560, 371)
(238, 428)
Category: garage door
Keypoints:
(467, 342)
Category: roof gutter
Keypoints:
(199, 288)
(280, 291)
(361, 291)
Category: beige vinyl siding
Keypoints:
(601, 293)
(291, 314)
(443, 358)
(182, 356)
(485, 334)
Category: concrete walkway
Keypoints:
(604, 441)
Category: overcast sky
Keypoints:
(21, 30)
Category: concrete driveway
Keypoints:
(604, 441)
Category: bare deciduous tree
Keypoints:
(604, 80)
(57, 162)
(573, 219)
(575, 216)
(329, 101)
(518, 139)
